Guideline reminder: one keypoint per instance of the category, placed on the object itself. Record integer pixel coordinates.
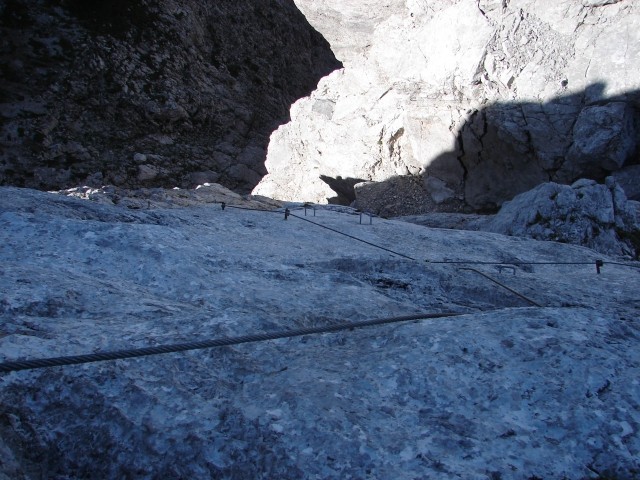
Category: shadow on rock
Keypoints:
(509, 148)
(344, 187)
(149, 94)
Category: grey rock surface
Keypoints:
(585, 213)
(627, 178)
(152, 198)
(604, 139)
(479, 100)
(87, 88)
(494, 393)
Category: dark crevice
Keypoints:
(344, 188)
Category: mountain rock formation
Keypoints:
(543, 384)
(459, 105)
(585, 213)
(149, 92)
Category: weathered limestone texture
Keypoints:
(586, 213)
(149, 92)
(477, 101)
(506, 390)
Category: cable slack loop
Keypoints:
(7, 367)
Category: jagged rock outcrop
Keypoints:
(149, 92)
(471, 101)
(586, 213)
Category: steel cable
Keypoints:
(536, 304)
(12, 366)
(355, 238)
(437, 262)
(237, 207)
(479, 262)
(221, 342)
(598, 263)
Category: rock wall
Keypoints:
(460, 105)
(149, 92)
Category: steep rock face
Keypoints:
(149, 92)
(472, 101)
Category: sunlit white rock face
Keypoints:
(478, 99)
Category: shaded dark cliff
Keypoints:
(149, 92)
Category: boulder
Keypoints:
(148, 172)
(604, 138)
(627, 178)
(585, 213)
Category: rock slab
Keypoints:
(492, 393)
